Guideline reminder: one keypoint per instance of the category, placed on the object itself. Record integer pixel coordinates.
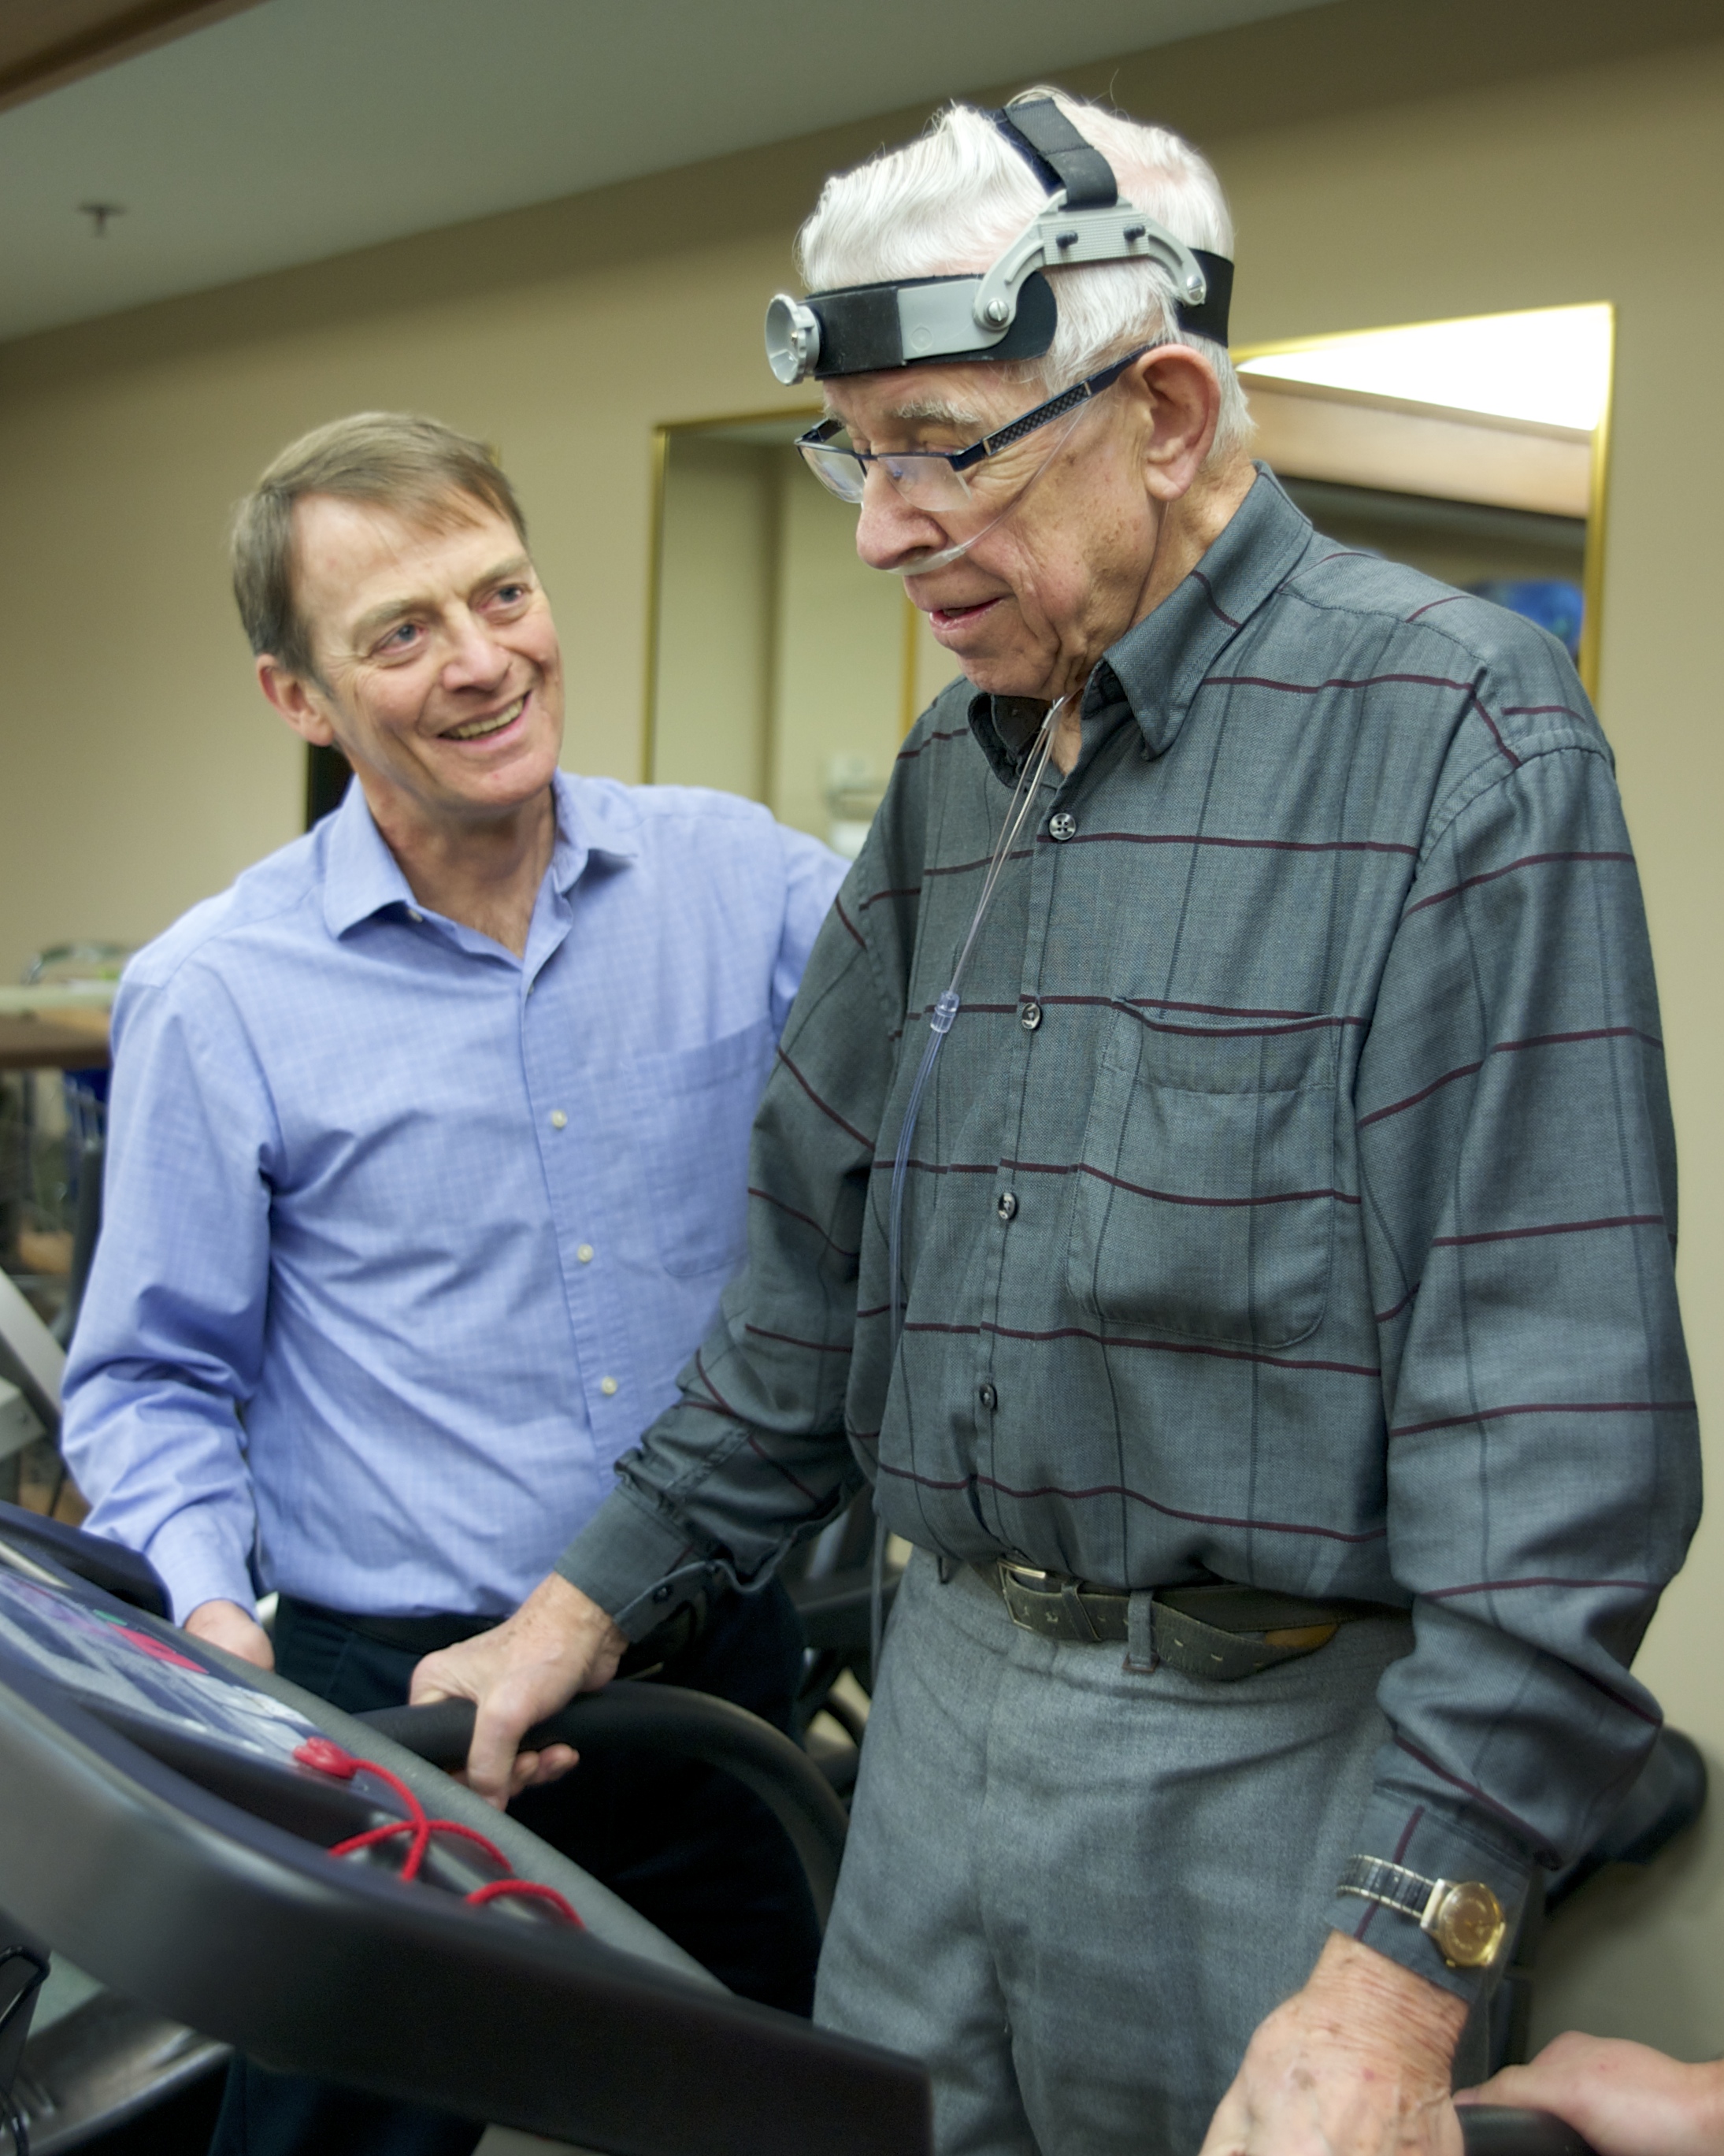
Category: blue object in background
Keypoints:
(1552, 601)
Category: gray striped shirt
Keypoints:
(1294, 1200)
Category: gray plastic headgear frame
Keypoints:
(1009, 312)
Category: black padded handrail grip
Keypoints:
(668, 1720)
(1490, 2129)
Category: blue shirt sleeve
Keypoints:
(170, 1339)
(812, 873)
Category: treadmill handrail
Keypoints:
(668, 1720)
(1492, 2129)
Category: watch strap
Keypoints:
(1392, 1885)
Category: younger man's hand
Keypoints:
(558, 1643)
(226, 1625)
(1627, 2099)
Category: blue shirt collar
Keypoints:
(361, 877)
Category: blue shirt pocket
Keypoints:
(1205, 1205)
(694, 1109)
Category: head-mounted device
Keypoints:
(1009, 312)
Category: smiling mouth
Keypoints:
(479, 729)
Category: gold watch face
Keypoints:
(1468, 1926)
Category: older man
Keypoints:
(1218, 1186)
(428, 1165)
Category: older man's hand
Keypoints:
(558, 1643)
(1357, 2064)
(1627, 2099)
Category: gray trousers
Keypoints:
(1075, 1891)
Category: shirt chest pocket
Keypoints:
(1204, 1207)
(692, 1111)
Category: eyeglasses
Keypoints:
(936, 480)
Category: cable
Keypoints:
(326, 1757)
(940, 1024)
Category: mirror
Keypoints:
(1472, 449)
(778, 665)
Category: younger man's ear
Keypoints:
(296, 701)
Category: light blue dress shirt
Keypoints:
(405, 1238)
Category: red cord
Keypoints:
(328, 1757)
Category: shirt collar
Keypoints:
(361, 877)
(1158, 665)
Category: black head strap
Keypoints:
(1057, 154)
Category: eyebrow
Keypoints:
(380, 617)
(938, 411)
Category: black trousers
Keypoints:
(687, 1846)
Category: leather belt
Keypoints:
(1214, 1630)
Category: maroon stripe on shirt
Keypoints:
(1112, 1490)
(1509, 1048)
(1239, 846)
(790, 1340)
(1215, 606)
(1501, 1586)
(1545, 1407)
(946, 734)
(1153, 1346)
(1467, 689)
(1179, 1198)
(1554, 1228)
(795, 1481)
(1100, 1175)
(1508, 868)
(838, 907)
(821, 1104)
(807, 1220)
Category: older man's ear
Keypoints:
(1177, 395)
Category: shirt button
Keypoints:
(558, 1120)
(1007, 1206)
(989, 1398)
(585, 1254)
(606, 1386)
(1062, 827)
(1030, 1017)
(413, 914)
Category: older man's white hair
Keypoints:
(951, 202)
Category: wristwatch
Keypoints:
(1463, 1919)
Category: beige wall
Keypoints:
(1388, 161)
(777, 653)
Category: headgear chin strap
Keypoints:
(1010, 311)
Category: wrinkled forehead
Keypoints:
(967, 400)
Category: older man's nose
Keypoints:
(890, 530)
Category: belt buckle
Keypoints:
(1017, 1581)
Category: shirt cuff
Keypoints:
(199, 1562)
(623, 1559)
(1436, 1845)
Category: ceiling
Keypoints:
(293, 129)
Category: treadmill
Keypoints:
(227, 1852)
